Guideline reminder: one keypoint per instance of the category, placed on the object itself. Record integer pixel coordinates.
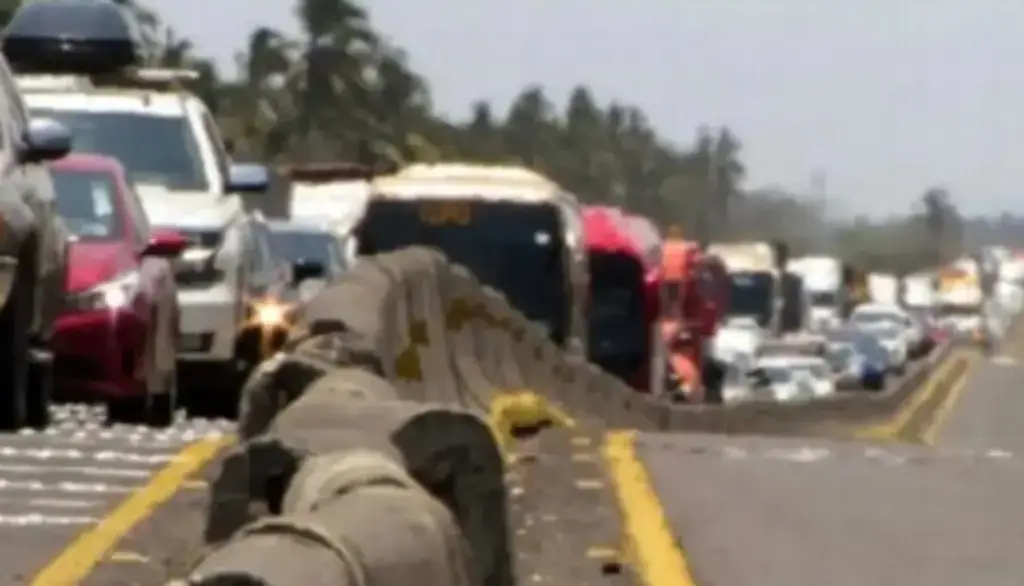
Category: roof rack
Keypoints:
(154, 79)
(327, 172)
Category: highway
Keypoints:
(65, 482)
(803, 512)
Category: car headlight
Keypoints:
(113, 294)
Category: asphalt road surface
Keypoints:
(56, 483)
(803, 512)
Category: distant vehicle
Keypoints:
(846, 364)
(621, 313)
(870, 315)
(782, 380)
(117, 341)
(315, 253)
(822, 379)
(516, 230)
(875, 358)
(77, 63)
(894, 340)
(823, 282)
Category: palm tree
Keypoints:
(334, 93)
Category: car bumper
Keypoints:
(209, 325)
(100, 354)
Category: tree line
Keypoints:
(340, 85)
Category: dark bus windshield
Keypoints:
(516, 248)
(793, 303)
(619, 337)
(750, 295)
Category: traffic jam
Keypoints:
(146, 273)
(138, 289)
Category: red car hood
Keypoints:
(92, 263)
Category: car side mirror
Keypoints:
(307, 269)
(165, 245)
(45, 140)
(247, 178)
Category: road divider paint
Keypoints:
(930, 434)
(915, 407)
(90, 548)
(650, 544)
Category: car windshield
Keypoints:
(750, 295)
(818, 370)
(87, 202)
(822, 298)
(299, 245)
(158, 150)
(872, 317)
(777, 374)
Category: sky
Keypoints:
(883, 97)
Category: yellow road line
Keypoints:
(930, 435)
(650, 542)
(90, 548)
(892, 428)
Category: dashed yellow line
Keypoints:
(650, 544)
(79, 558)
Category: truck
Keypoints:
(960, 299)
(759, 286)
(823, 284)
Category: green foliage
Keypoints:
(341, 86)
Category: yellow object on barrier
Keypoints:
(513, 410)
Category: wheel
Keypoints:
(14, 360)
(164, 406)
(40, 389)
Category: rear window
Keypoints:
(87, 202)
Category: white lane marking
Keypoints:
(1003, 361)
(63, 486)
(53, 503)
(802, 455)
(107, 456)
(40, 520)
(885, 456)
(92, 471)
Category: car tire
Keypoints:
(40, 389)
(14, 364)
(163, 407)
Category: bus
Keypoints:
(516, 230)
(621, 310)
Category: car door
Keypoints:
(30, 202)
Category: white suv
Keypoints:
(170, 145)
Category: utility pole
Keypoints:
(707, 201)
(819, 191)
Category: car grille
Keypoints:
(203, 238)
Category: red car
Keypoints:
(116, 340)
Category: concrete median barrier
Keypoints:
(372, 448)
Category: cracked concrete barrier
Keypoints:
(351, 518)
